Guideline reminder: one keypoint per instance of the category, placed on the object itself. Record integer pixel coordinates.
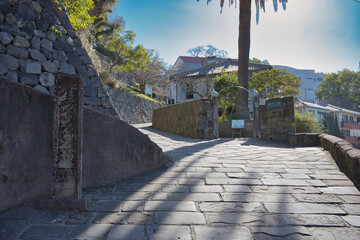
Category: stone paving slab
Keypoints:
(214, 189)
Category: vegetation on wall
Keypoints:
(306, 123)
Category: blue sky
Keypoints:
(311, 34)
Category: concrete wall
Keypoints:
(190, 119)
(113, 149)
(37, 41)
(26, 137)
(132, 109)
(276, 123)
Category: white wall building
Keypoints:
(310, 82)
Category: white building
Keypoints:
(310, 82)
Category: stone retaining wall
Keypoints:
(112, 149)
(37, 41)
(189, 119)
(132, 109)
(276, 123)
(341, 150)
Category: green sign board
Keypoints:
(272, 104)
(237, 124)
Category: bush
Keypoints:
(306, 123)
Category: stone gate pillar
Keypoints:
(215, 110)
(67, 144)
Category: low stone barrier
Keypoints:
(303, 139)
(341, 150)
(189, 119)
(112, 149)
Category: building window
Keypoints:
(358, 120)
(321, 115)
(189, 91)
(346, 133)
(351, 119)
(345, 118)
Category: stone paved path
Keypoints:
(218, 189)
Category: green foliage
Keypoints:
(78, 11)
(227, 98)
(275, 83)
(57, 32)
(306, 123)
(341, 89)
(256, 60)
(331, 125)
(134, 89)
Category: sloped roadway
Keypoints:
(213, 189)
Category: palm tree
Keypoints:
(242, 109)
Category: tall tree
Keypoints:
(209, 56)
(244, 47)
(275, 83)
(341, 89)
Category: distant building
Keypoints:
(194, 70)
(348, 120)
(310, 82)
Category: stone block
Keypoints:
(47, 44)
(21, 42)
(47, 54)
(163, 232)
(351, 160)
(36, 55)
(6, 38)
(179, 218)
(74, 60)
(41, 89)
(60, 55)
(9, 61)
(24, 11)
(47, 79)
(95, 101)
(129, 232)
(216, 232)
(91, 71)
(35, 43)
(339, 152)
(67, 68)
(39, 33)
(3, 69)
(49, 66)
(90, 91)
(28, 79)
(12, 76)
(11, 19)
(33, 67)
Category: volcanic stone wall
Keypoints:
(37, 41)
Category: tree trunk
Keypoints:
(242, 109)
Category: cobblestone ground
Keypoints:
(217, 189)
